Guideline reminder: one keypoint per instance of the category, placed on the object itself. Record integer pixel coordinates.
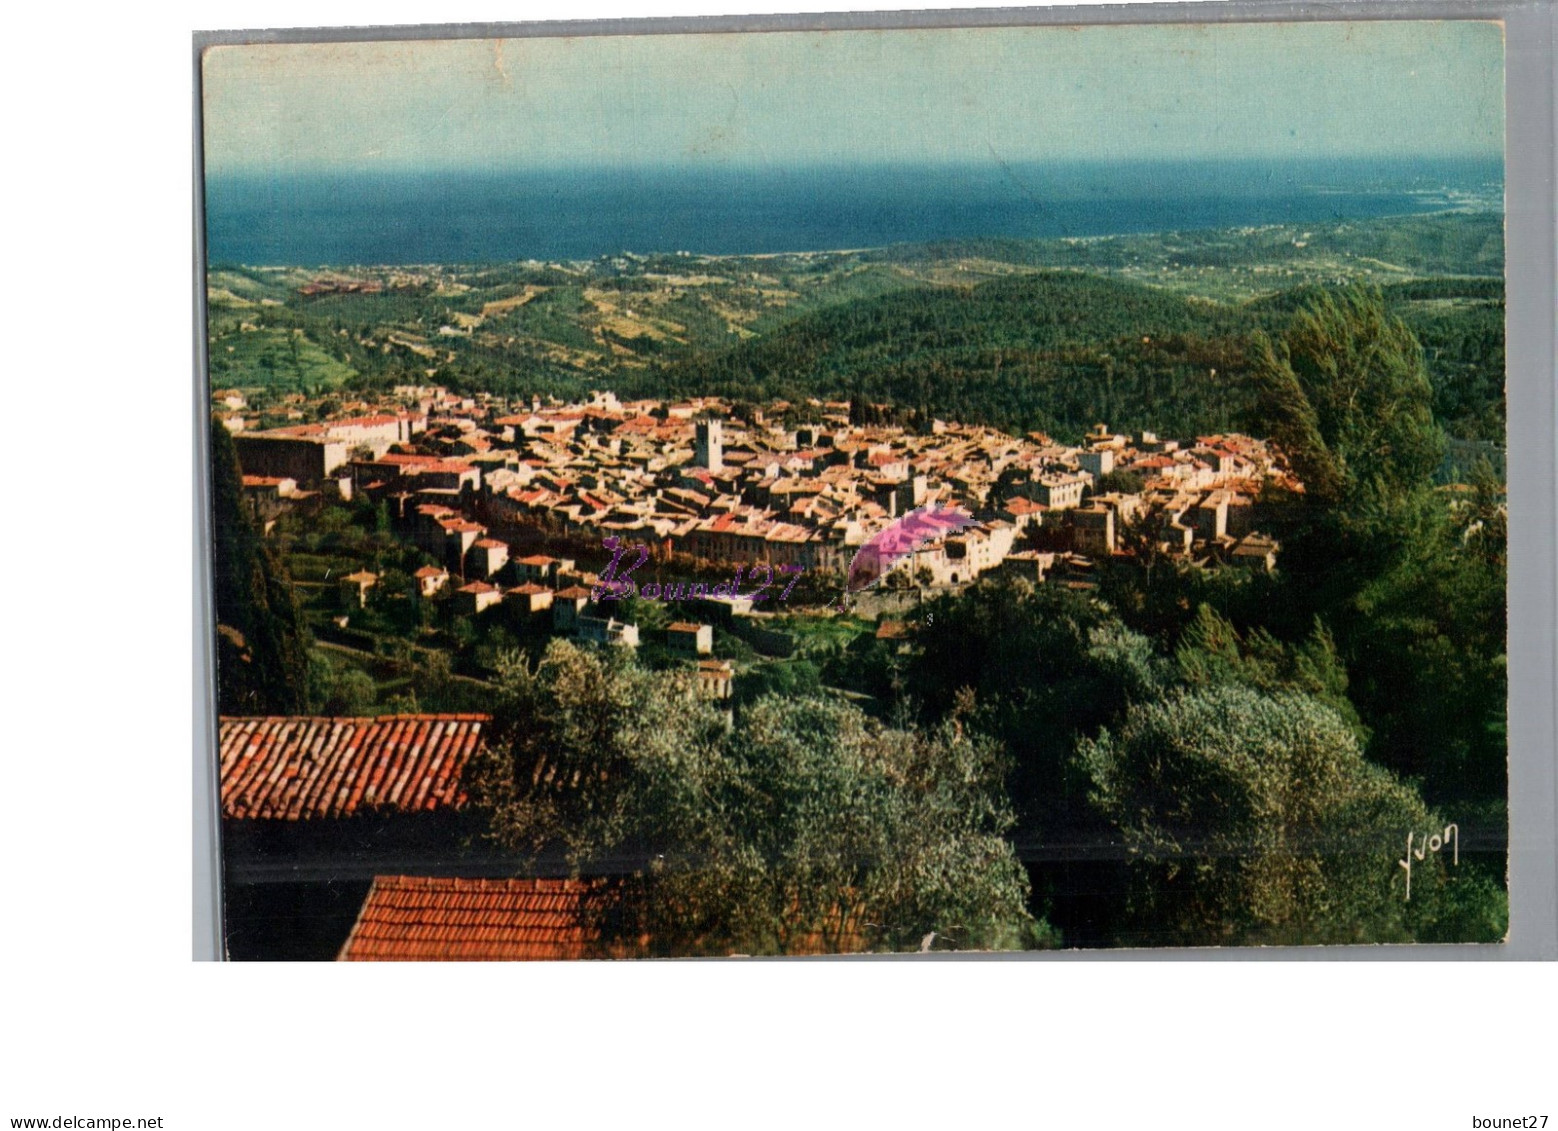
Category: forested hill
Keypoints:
(1056, 351)
(1059, 351)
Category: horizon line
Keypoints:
(273, 171)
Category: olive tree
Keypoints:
(803, 826)
(1254, 818)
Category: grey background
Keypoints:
(1531, 237)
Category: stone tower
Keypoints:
(709, 450)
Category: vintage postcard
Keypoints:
(850, 491)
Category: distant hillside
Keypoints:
(1018, 333)
(1220, 263)
(1059, 351)
(1055, 351)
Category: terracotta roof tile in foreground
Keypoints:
(302, 767)
(415, 918)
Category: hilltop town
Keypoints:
(480, 484)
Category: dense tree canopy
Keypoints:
(1346, 393)
(1381, 557)
(262, 643)
(1212, 652)
(1056, 351)
(802, 827)
(1255, 818)
(1044, 665)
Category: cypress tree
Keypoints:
(1291, 421)
(262, 645)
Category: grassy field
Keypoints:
(817, 633)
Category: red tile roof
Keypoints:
(299, 431)
(1020, 504)
(300, 768)
(430, 919)
(436, 463)
(414, 918)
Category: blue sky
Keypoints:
(1381, 89)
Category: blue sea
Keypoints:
(360, 218)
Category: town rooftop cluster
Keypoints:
(463, 475)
